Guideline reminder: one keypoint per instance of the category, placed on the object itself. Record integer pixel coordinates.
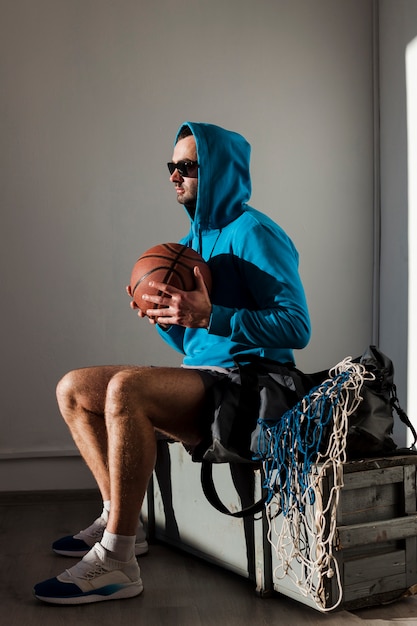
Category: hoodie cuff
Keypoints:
(220, 321)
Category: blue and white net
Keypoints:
(306, 445)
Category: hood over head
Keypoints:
(224, 184)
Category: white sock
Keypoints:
(106, 510)
(120, 547)
(140, 535)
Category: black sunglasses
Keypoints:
(184, 168)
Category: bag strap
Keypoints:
(249, 368)
(212, 496)
(249, 382)
(395, 403)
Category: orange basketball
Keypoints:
(169, 263)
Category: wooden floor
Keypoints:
(180, 590)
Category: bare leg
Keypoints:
(81, 396)
(138, 401)
(112, 411)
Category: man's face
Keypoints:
(186, 187)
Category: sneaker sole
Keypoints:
(129, 591)
(140, 550)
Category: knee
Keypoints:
(125, 391)
(66, 392)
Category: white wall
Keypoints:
(92, 94)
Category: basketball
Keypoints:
(169, 263)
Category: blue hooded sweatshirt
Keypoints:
(258, 301)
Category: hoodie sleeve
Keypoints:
(277, 314)
(173, 336)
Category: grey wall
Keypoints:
(92, 94)
(398, 27)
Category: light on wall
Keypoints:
(411, 78)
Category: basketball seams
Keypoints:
(169, 272)
(171, 269)
(174, 264)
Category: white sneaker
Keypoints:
(94, 579)
(78, 545)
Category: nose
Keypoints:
(176, 177)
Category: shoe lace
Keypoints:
(95, 530)
(98, 570)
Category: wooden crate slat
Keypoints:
(368, 568)
(375, 532)
(379, 462)
(379, 585)
(360, 480)
(377, 502)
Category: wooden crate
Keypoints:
(375, 542)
